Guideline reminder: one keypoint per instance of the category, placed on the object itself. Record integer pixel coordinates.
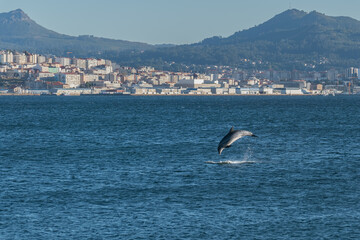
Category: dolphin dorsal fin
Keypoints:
(232, 129)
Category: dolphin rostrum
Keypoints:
(231, 137)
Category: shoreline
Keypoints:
(240, 95)
(167, 95)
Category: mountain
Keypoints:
(18, 31)
(295, 25)
(291, 39)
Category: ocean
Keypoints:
(126, 167)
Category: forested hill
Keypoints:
(19, 32)
(292, 39)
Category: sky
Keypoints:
(166, 21)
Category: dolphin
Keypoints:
(231, 137)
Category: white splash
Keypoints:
(245, 159)
(230, 162)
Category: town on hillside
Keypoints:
(24, 73)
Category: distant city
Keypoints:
(24, 73)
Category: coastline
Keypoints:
(167, 95)
(15, 94)
(240, 95)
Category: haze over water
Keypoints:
(135, 168)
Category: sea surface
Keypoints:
(125, 167)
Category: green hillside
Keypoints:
(292, 39)
(19, 32)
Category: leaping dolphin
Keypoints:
(231, 137)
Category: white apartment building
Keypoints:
(41, 59)
(190, 82)
(174, 78)
(80, 63)
(32, 58)
(89, 78)
(6, 57)
(73, 80)
(20, 58)
(113, 77)
(91, 62)
(351, 72)
(3, 68)
(46, 75)
(3, 58)
(103, 69)
(101, 62)
(63, 61)
(108, 63)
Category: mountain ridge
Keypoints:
(291, 39)
(18, 31)
(292, 20)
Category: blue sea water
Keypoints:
(124, 167)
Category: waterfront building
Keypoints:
(266, 90)
(295, 91)
(356, 90)
(74, 92)
(168, 91)
(146, 91)
(196, 83)
(72, 80)
(88, 78)
(248, 90)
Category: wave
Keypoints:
(247, 158)
(230, 162)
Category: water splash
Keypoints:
(247, 158)
(230, 162)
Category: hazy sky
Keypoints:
(166, 21)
